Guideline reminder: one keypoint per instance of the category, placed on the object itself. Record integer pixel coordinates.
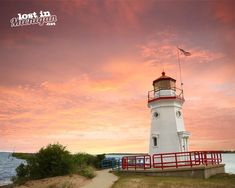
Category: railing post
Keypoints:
(190, 158)
(153, 161)
(144, 162)
(202, 158)
(135, 162)
(199, 158)
(205, 155)
(212, 158)
(127, 165)
(161, 161)
(176, 163)
(123, 163)
(216, 157)
(220, 157)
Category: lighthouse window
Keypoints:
(154, 141)
(178, 113)
(156, 114)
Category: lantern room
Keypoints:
(164, 87)
(164, 83)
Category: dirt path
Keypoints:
(103, 179)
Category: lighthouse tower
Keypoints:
(167, 133)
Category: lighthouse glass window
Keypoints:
(155, 114)
(178, 114)
(154, 141)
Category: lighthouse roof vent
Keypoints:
(163, 77)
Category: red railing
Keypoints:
(172, 160)
(211, 157)
(161, 94)
(186, 159)
(136, 162)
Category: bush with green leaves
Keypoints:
(87, 171)
(55, 160)
(22, 170)
(83, 159)
(98, 160)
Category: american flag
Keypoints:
(184, 52)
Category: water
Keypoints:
(229, 161)
(8, 165)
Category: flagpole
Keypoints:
(181, 83)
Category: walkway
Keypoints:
(103, 179)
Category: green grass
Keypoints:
(141, 181)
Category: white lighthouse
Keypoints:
(167, 133)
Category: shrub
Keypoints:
(55, 160)
(84, 164)
(83, 159)
(98, 160)
(87, 171)
(22, 170)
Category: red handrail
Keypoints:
(184, 159)
(136, 162)
(178, 93)
(172, 160)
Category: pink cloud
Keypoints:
(83, 108)
(225, 12)
(84, 82)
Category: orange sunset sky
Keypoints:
(84, 82)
